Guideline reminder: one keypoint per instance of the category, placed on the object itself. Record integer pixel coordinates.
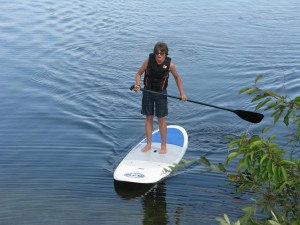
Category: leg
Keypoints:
(148, 110)
(149, 130)
(161, 113)
(163, 134)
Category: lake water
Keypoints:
(67, 116)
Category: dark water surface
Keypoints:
(67, 116)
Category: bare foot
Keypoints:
(146, 148)
(163, 150)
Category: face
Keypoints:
(160, 56)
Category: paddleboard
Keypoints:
(151, 166)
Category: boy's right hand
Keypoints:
(137, 87)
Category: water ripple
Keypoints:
(68, 117)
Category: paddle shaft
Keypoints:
(252, 117)
(188, 100)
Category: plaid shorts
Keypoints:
(152, 101)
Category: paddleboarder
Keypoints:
(157, 68)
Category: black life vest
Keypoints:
(157, 75)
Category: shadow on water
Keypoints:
(129, 191)
(153, 198)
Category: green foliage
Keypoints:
(219, 168)
(262, 167)
(175, 167)
(226, 221)
(271, 100)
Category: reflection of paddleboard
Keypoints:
(151, 167)
(128, 190)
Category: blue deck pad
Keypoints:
(174, 137)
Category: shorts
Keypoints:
(153, 101)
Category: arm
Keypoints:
(139, 74)
(177, 78)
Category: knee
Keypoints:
(161, 119)
(149, 118)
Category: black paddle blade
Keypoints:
(252, 117)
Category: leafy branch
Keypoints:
(262, 167)
(271, 100)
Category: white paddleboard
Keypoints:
(151, 166)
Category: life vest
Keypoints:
(157, 75)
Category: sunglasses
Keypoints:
(159, 53)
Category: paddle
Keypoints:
(252, 117)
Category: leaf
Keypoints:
(277, 115)
(242, 188)
(263, 158)
(256, 144)
(257, 97)
(272, 93)
(262, 103)
(274, 216)
(204, 161)
(186, 161)
(272, 222)
(296, 101)
(215, 168)
(221, 167)
(273, 168)
(229, 137)
(253, 90)
(241, 164)
(252, 156)
(275, 174)
(284, 173)
(258, 78)
(265, 129)
(231, 156)
(281, 187)
(255, 138)
(244, 90)
(226, 218)
(269, 166)
(287, 117)
(296, 120)
(247, 163)
(233, 177)
(233, 144)
(265, 175)
(222, 221)
(248, 210)
(273, 137)
(291, 163)
(271, 105)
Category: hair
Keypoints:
(162, 46)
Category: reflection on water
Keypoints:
(155, 206)
(153, 198)
(178, 199)
(129, 191)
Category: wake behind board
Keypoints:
(151, 166)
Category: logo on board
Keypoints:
(134, 175)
